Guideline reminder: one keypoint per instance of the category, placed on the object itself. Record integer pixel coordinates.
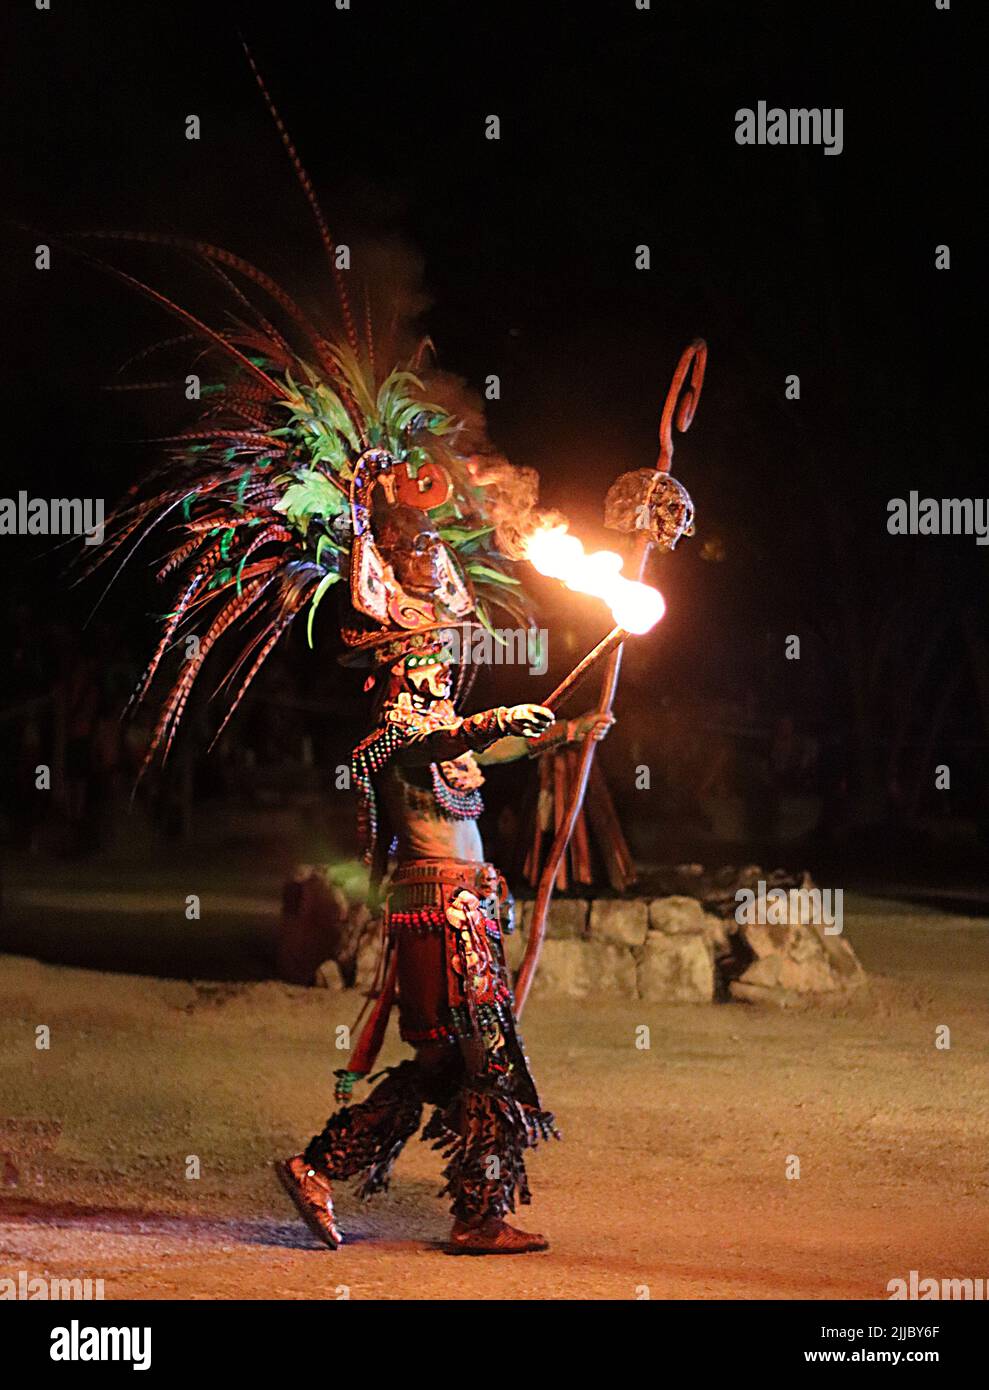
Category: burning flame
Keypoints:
(554, 552)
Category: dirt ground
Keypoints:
(671, 1183)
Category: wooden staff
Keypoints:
(692, 359)
(583, 668)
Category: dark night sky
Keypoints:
(617, 128)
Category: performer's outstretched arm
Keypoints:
(563, 731)
(477, 732)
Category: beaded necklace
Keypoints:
(456, 803)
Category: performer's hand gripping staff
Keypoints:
(528, 721)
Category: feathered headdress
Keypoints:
(276, 494)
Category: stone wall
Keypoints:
(676, 949)
(660, 951)
(672, 950)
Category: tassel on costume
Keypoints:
(365, 1054)
(481, 1125)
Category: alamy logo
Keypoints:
(52, 516)
(939, 516)
(499, 647)
(31, 1287)
(929, 1288)
(793, 907)
(774, 125)
(75, 1343)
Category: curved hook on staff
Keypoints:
(681, 404)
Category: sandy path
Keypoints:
(671, 1178)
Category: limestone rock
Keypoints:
(774, 996)
(368, 958)
(811, 975)
(328, 976)
(676, 969)
(763, 973)
(796, 956)
(324, 917)
(842, 959)
(623, 921)
(676, 915)
(579, 968)
(313, 925)
(785, 977)
(565, 921)
(514, 944)
(716, 936)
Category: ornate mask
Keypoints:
(420, 680)
(402, 573)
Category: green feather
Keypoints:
(461, 535)
(479, 571)
(321, 589)
(310, 494)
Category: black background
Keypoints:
(617, 128)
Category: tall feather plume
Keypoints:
(256, 490)
(329, 245)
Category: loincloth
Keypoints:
(445, 918)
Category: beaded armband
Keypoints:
(481, 730)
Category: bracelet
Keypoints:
(481, 730)
(344, 1088)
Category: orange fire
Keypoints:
(554, 552)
